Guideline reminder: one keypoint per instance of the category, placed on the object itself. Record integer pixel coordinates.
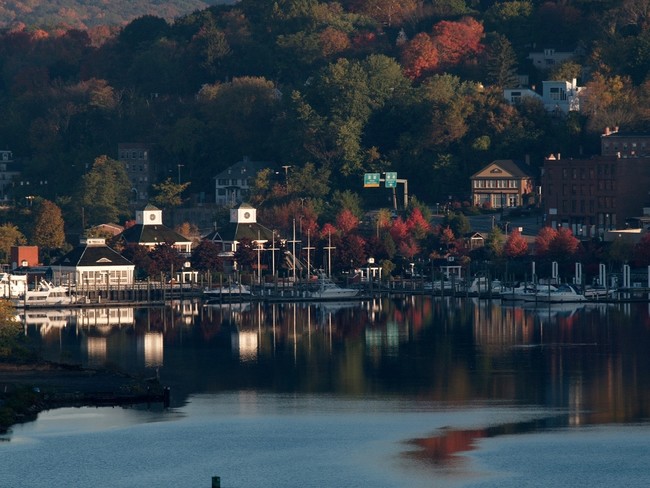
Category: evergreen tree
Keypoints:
(501, 63)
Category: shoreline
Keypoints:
(28, 388)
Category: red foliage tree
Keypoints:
(456, 41)
(399, 231)
(515, 246)
(564, 245)
(417, 225)
(642, 251)
(543, 240)
(327, 230)
(419, 56)
(409, 248)
(346, 221)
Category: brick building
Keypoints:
(592, 196)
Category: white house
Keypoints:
(93, 265)
(557, 96)
(233, 184)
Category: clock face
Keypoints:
(247, 215)
(152, 217)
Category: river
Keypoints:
(397, 392)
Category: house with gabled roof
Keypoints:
(93, 265)
(502, 183)
(233, 184)
(242, 225)
(149, 231)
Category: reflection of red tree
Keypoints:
(441, 448)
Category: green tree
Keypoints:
(501, 62)
(48, 231)
(495, 242)
(10, 236)
(168, 194)
(309, 181)
(105, 191)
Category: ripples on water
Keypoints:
(408, 392)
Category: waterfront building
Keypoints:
(93, 265)
(242, 225)
(149, 231)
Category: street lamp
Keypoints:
(179, 172)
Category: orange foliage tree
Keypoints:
(456, 41)
(419, 56)
(515, 246)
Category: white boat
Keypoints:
(46, 294)
(527, 292)
(443, 285)
(481, 285)
(12, 285)
(328, 290)
(231, 291)
(599, 292)
(563, 294)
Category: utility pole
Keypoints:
(179, 172)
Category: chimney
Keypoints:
(607, 132)
(558, 156)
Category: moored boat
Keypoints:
(328, 290)
(46, 294)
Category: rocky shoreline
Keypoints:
(26, 389)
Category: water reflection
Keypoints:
(589, 360)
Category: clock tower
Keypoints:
(149, 216)
(243, 214)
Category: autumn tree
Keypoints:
(515, 246)
(564, 245)
(165, 258)
(420, 56)
(205, 257)
(346, 221)
(543, 240)
(245, 256)
(457, 41)
(641, 251)
(10, 236)
(139, 256)
(48, 232)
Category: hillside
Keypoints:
(83, 14)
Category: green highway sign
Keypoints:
(391, 179)
(371, 180)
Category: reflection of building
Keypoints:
(135, 157)
(93, 264)
(152, 347)
(149, 231)
(246, 343)
(89, 317)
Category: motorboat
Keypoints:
(328, 290)
(526, 292)
(46, 294)
(481, 285)
(599, 292)
(231, 291)
(564, 294)
(12, 285)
